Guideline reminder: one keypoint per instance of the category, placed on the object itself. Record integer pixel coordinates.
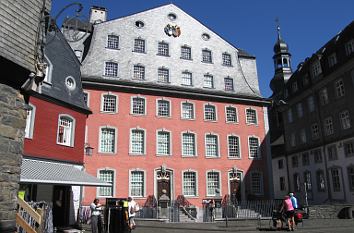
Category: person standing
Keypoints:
(96, 221)
(287, 206)
(293, 200)
(132, 209)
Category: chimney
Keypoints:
(98, 14)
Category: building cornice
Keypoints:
(156, 89)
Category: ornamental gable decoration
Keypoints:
(172, 30)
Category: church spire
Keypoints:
(282, 62)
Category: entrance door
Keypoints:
(163, 183)
(61, 205)
(235, 188)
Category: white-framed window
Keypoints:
(251, 116)
(187, 79)
(321, 183)
(328, 126)
(229, 84)
(186, 52)
(113, 42)
(350, 172)
(348, 148)
(300, 111)
(315, 131)
(139, 72)
(163, 108)
(209, 112)
(208, 81)
(234, 150)
(324, 96)
(163, 49)
(349, 47)
(65, 134)
(316, 69)
(111, 69)
(190, 183)
(231, 114)
(344, 117)
(226, 59)
(86, 97)
(137, 183)
(137, 141)
(107, 140)
(335, 180)
(308, 180)
(108, 177)
(163, 142)
(163, 75)
(188, 144)
(303, 137)
(109, 103)
(187, 111)
(256, 183)
(339, 85)
(332, 152)
(138, 106)
(211, 146)
(139, 45)
(332, 60)
(213, 183)
(31, 112)
(206, 56)
(311, 103)
(254, 147)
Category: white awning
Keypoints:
(45, 172)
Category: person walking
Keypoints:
(287, 206)
(132, 209)
(96, 220)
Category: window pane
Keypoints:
(113, 42)
(186, 53)
(163, 143)
(209, 113)
(137, 142)
(138, 106)
(188, 144)
(137, 184)
(163, 49)
(111, 69)
(139, 72)
(213, 183)
(254, 147)
(187, 111)
(208, 81)
(226, 59)
(187, 79)
(139, 45)
(163, 75)
(106, 176)
(189, 184)
(231, 114)
(65, 130)
(229, 84)
(206, 56)
(107, 140)
(251, 116)
(234, 146)
(109, 103)
(256, 183)
(211, 144)
(163, 108)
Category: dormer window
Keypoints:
(332, 60)
(316, 69)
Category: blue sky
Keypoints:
(306, 25)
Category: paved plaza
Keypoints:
(249, 226)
